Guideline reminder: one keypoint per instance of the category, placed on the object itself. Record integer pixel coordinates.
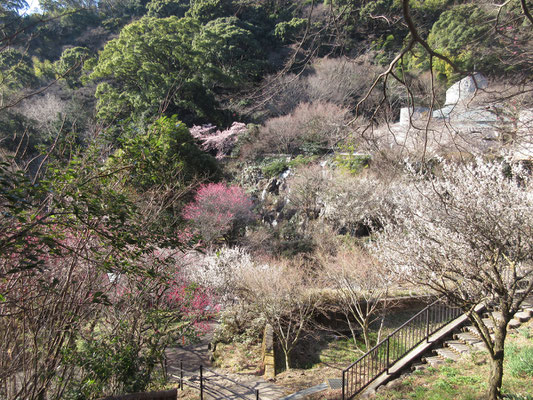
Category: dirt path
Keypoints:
(217, 384)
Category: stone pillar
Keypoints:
(268, 353)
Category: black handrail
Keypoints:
(205, 379)
(402, 340)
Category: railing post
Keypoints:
(343, 385)
(427, 325)
(256, 394)
(201, 383)
(181, 375)
(388, 353)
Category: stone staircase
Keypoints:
(469, 339)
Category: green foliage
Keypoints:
(275, 168)
(16, 71)
(208, 10)
(12, 6)
(288, 31)
(461, 34)
(43, 70)
(70, 65)
(164, 154)
(106, 358)
(353, 163)
(167, 8)
(148, 64)
(228, 52)
(61, 5)
(152, 66)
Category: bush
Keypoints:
(275, 168)
(340, 81)
(310, 129)
(353, 163)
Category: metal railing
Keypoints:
(208, 386)
(161, 395)
(381, 357)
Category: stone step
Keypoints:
(458, 346)
(495, 314)
(473, 330)
(488, 323)
(480, 346)
(523, 316)
(514, 323)
(468, 338)
(447, 354)
(419, 366)
(528, 302)
(434, 361)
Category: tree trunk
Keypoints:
(496, 367)
(287, 365)
(366, 336)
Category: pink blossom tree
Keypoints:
(219, 211)
(219, 142)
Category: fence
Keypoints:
(209, 384)
(381, 357)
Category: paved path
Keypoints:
(217, 384)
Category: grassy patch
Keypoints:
(520, 360)
(340, 351)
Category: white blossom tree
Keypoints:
(221, 271)
(362, 288)
(283, 294)
(467, 233)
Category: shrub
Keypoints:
(285, 93)
(275, 168)
(310, 129)
(353, 163)
(340, 81)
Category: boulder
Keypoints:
(465, 89)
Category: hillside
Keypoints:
(165, 163)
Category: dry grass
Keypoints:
(242, 358)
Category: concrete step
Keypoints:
(495, 314)
(419, 366)
(528, 302)
(473, 330)
(434, 361)
(480, 346)
(488, 323)
(514, 323)
(447, 354)
(523, 316)
(468, 338)
(458, 346)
